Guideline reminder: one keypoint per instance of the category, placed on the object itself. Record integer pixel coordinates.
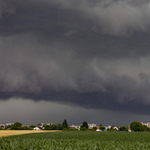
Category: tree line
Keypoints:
(134, 126)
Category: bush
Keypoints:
(136, 126)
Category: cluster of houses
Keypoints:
(146, 124)
(95, 125)
(78, 127)
(3, 126)
(40, 126)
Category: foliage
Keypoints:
(94, 128)
(146, 129)
(64, 124)
(108, 129)
(78, 140)
(83, 129)
(102, 128)
(123, 128)
(39, 124)
(59, 126)
(16, 126)
(25, 128)
(136, 126)
(84, 126)
(50, 127)
(113, 126)
(31, 127)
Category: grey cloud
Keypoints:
(72, 52)
(6, 8)
(28, 112)
(113, 17)
(116, 17)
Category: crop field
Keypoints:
(77, 141)
(5, 133)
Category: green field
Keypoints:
(77, 141)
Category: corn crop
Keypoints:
(78, 140)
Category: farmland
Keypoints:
(5, 133)
(77, 140)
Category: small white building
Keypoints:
(37, 128)
(107, 127)
(115, 128)
(98, 130)
(91, 125)
(9, 124)
(75, 126)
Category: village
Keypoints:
(64, 126)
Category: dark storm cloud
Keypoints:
(89, 53)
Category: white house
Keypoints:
(98, 130)
(115, 127)
(92, 125)
(75, 126)
(37, 128)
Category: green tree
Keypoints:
(16, 126)
(25, 128)
(84, 126)
(7, 127)
(47, 127)
(31, 127)
(64, 124)
(53, 127)
(83, 129)
(123, 128)
(136, 126)
(39, 124)
(108, 129)
(145, 128)
(102, 128)
(59, 126)
(50, 127)
(94, 128)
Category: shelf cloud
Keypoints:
(89, 53)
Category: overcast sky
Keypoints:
(86, 60)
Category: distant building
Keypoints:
(9, 124)
(98, 130)
(107, 127)
(148, 124)
(115, 128)
(49, 123)
(91, 125)
(37, 128)
(2, 126)
(143, 123)
(42, 124)
(75, 127)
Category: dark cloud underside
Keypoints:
(94, 54)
